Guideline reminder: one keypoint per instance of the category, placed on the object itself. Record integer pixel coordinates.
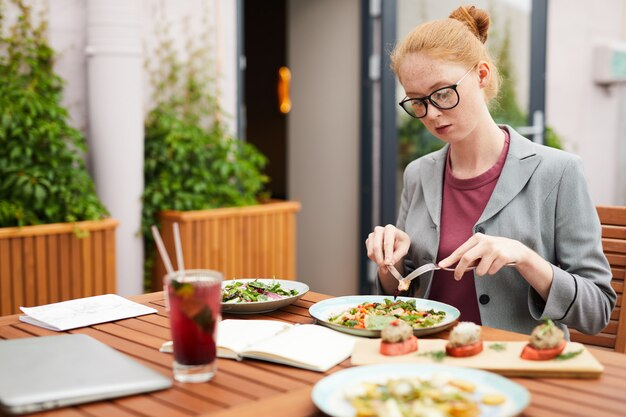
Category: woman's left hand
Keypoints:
(491, 253)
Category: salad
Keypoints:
(415, 396)
(375, 316)
(254, 291)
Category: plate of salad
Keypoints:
(407, 390)
(259, 295)
(366, 315)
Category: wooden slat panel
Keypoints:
(45, 269)
(204, 226)
(263, 243)
(6, 290)
(230, 233)
(601, 339)
(255, 257)
(616, 232)
(611, 328)
(618, 286)
(291, 247)
(87, 266)
(614, 245)
(613, 220)
(97, 254)
(30, 284)
(615, 215)
(217, 257)
(56, 228)
(76, 282)
(239, 242)
(618, 272)
(110, 264)
(615, 313)
(53, 255)
(41, 270)
(616, 259)
(17, 269)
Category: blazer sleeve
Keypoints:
(581, 295)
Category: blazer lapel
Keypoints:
(520, 164)
(431, 177)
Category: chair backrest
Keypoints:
(613, 336)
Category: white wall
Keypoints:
(589, 118)
(323, 132)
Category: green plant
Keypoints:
(190, 162)
(43, 178)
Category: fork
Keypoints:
(424, 269)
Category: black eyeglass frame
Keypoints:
(427, 99)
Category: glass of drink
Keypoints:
(194, 298)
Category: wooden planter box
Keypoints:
(49, 263)
(241, 242)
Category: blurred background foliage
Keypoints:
(43, 177)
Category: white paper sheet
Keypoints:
(83, 312)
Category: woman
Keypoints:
(490, 197)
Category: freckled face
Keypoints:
(420, 75)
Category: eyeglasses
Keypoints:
(445, 98)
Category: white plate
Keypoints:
(325, 309)
(329, 394)
(265, 306)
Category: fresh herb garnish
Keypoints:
(436, 355)
(568, 355)
(547, 325)
(205, 320)
(498, 347)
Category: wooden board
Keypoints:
(505, 362)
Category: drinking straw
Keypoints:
(162, 251)
(179, 249)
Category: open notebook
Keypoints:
(40, 373)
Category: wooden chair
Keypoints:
(613, 336)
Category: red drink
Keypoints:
(194, 298)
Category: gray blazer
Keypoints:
(541, 199)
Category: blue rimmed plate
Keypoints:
(330, 393)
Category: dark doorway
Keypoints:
(265, 50)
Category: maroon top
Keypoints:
(463, 202)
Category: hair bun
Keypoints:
(477, 20)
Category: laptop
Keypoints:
(40, 373)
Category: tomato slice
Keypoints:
(533, 354)
(399, 348)
(464, 351)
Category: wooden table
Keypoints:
(257, 389)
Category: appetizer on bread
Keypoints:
(397, 339)
(546, 342)
(464, 340)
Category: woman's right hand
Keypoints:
(387, 246)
